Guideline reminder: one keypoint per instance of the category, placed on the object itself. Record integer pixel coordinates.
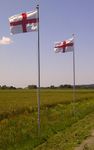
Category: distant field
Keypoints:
(64, 123)
(12, 100)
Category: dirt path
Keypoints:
(88, 144)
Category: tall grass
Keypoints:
(18, 112)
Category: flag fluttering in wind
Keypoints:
(64, 46)
(67, 46)
(28, 22)
(25, 22)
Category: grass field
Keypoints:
(64, 123)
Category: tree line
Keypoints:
(65, 86)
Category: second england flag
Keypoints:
(64, 46)
(25, 22)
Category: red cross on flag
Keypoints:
(64, 46)
(25, 22)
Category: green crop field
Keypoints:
(64, 123)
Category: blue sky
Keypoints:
(59, 19)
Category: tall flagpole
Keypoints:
(38, 88)
(73, 71)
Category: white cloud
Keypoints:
(5, 41)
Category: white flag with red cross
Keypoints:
(25, 22)
(64, 46)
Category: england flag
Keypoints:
(25, 22)
(64, 46)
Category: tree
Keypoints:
(4, 87)
(52, 87)
(32, 87)
(61, 86)
(12, 87)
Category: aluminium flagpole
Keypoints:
(38, 88)
(74, 87)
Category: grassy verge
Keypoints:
(70, 137)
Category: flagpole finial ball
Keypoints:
(38, 6)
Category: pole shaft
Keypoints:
(73, 71)
(38, 88)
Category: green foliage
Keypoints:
(32, 87)
(64, 123)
